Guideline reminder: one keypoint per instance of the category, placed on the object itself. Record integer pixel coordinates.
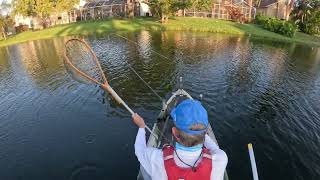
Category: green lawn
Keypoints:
(176, 24)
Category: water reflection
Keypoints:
(265, 93)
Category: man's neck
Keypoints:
(179, 146)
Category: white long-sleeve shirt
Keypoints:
(151, 158)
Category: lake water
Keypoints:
(266, 93)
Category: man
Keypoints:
(194, 155)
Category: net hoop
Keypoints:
(86, 45)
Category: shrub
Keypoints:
(276, 25)
(236, 14)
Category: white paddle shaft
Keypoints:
(253, 163)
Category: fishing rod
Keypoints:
(250, 146)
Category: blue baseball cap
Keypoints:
(189, 112)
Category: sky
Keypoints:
(4, 12)
(9, 1)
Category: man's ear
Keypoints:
(175, 133)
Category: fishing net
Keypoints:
(82, 62)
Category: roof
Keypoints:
(103, 3)
(240, 2)
(266, 3)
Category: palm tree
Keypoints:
(256, 3)
(307, 15)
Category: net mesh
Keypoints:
(82, 63)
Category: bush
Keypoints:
(236, 14)
(276, 25)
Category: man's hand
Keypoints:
(138, 120)
(105, 86)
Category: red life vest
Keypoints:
(174, 172)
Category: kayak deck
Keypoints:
(162, 128)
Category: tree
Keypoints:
(306, 15)
(202, 5)
(23, 7)
(181, 5)
(165, 8)
(63, 5)
(5, 23)
(256, 3)
(42, 8)
(161, 8)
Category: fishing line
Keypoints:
(140, 46)
(159, 54)
(81, 61)
(180, 61)
(137, 74)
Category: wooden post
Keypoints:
(277, 9)
(194, 12)
(250, 9)
(219, 13)
(125, 10)
(68, 13)
(212, 8)
(81, 13)
(110, 11)
(215, 12)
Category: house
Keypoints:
(114, 8)
(220, 9)
(280, 9)
(23, 23)
(33, 22)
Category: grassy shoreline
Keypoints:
(176, 24)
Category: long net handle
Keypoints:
(105, 85)
(120, 101)
(116, 97)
